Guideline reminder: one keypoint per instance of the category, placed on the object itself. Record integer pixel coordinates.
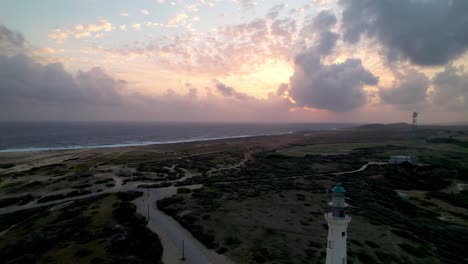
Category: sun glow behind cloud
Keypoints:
(261, 79)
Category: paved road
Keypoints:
(172, 233)
(363, 167)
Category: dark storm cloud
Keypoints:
(97, 85)
(335, 87)
(411, 89)
(427, 32)
(327, 42)
(324, 20)
(451, 89)
(320, 26)
(22, 78)
(10, 41)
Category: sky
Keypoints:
(363, 61)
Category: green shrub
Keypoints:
(7, 165)
(417, 252)
(371, 244)
(183, 190)
(232, 241)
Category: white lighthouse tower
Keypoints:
(338, 221)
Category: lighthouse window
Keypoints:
(330, 244)
(343, 233)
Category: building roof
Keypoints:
(338, 188)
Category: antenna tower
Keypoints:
(413, 152)
(415, 119)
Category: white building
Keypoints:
(337, 220)
(399, 159)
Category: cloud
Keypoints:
(136, 26)
(319, 29)
(283, 27)
(30, 90)
(282, 89)
(335, 87)
(178, 18)
(451, 89)
(228, 91)
(192, 8)
(24, 79)
(49, 51)
(430, 32)
(327, 42)
(145, 12)
(409, 89)
(225, 50)
(124, 14)
(34, 91)
(320, 2)
(233, 49)
(246, 4)
(81, 31)
(10, 42)
(323, 21)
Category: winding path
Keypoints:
(170, 231)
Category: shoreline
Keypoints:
(147, 143)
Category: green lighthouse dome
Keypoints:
(338, 188)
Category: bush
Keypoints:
(21, 200)
(386, 258)
(83, 252)
(232, 241)
(183, 190)
(365, 258)
(221, 250)
(261, 255)
(7, 165)
(371, 244)
(129, 196)
(54, 197)
(136, 239)
(300, 197)
(459, 199)
(417, 252)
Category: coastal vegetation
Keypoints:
(255, 200)
(101, 229)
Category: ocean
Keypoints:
(37, 136)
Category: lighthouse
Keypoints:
(337, 220)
